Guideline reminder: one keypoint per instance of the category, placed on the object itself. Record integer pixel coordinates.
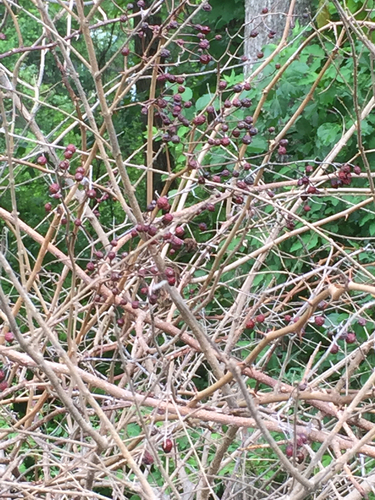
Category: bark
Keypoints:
(274, 20)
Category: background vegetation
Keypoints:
(186, 253)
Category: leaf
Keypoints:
(323, 15)
(187, 95)
(203, 101)
(328, 133)
(296, 246)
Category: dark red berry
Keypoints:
(91, 193)
(2, 375)
(90, 266)
(312, 190)
(68, 153)
(167, 445)
(250, 323)
(111, 255)
(9, 337)
(260, 318)
(300, 457)
(319, 320)
(169, 272)
(180, 231)
(199, 120)
(64, 165)
(42, 160)
(350, 338)
(54, 188)
(281, 150)
(288, 318)
(48, 207)
(334, 349)
(3, 385)
(289, 450)
(125, 51)
(71, 147)
(205, 58)
(167, 218)
(223, 85)
(147, 458)
(135, 304)
(162, 202)
(302, 439)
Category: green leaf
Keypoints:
(203, 101)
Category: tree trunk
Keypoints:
(272, 22)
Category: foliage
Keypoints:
(165, 223)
